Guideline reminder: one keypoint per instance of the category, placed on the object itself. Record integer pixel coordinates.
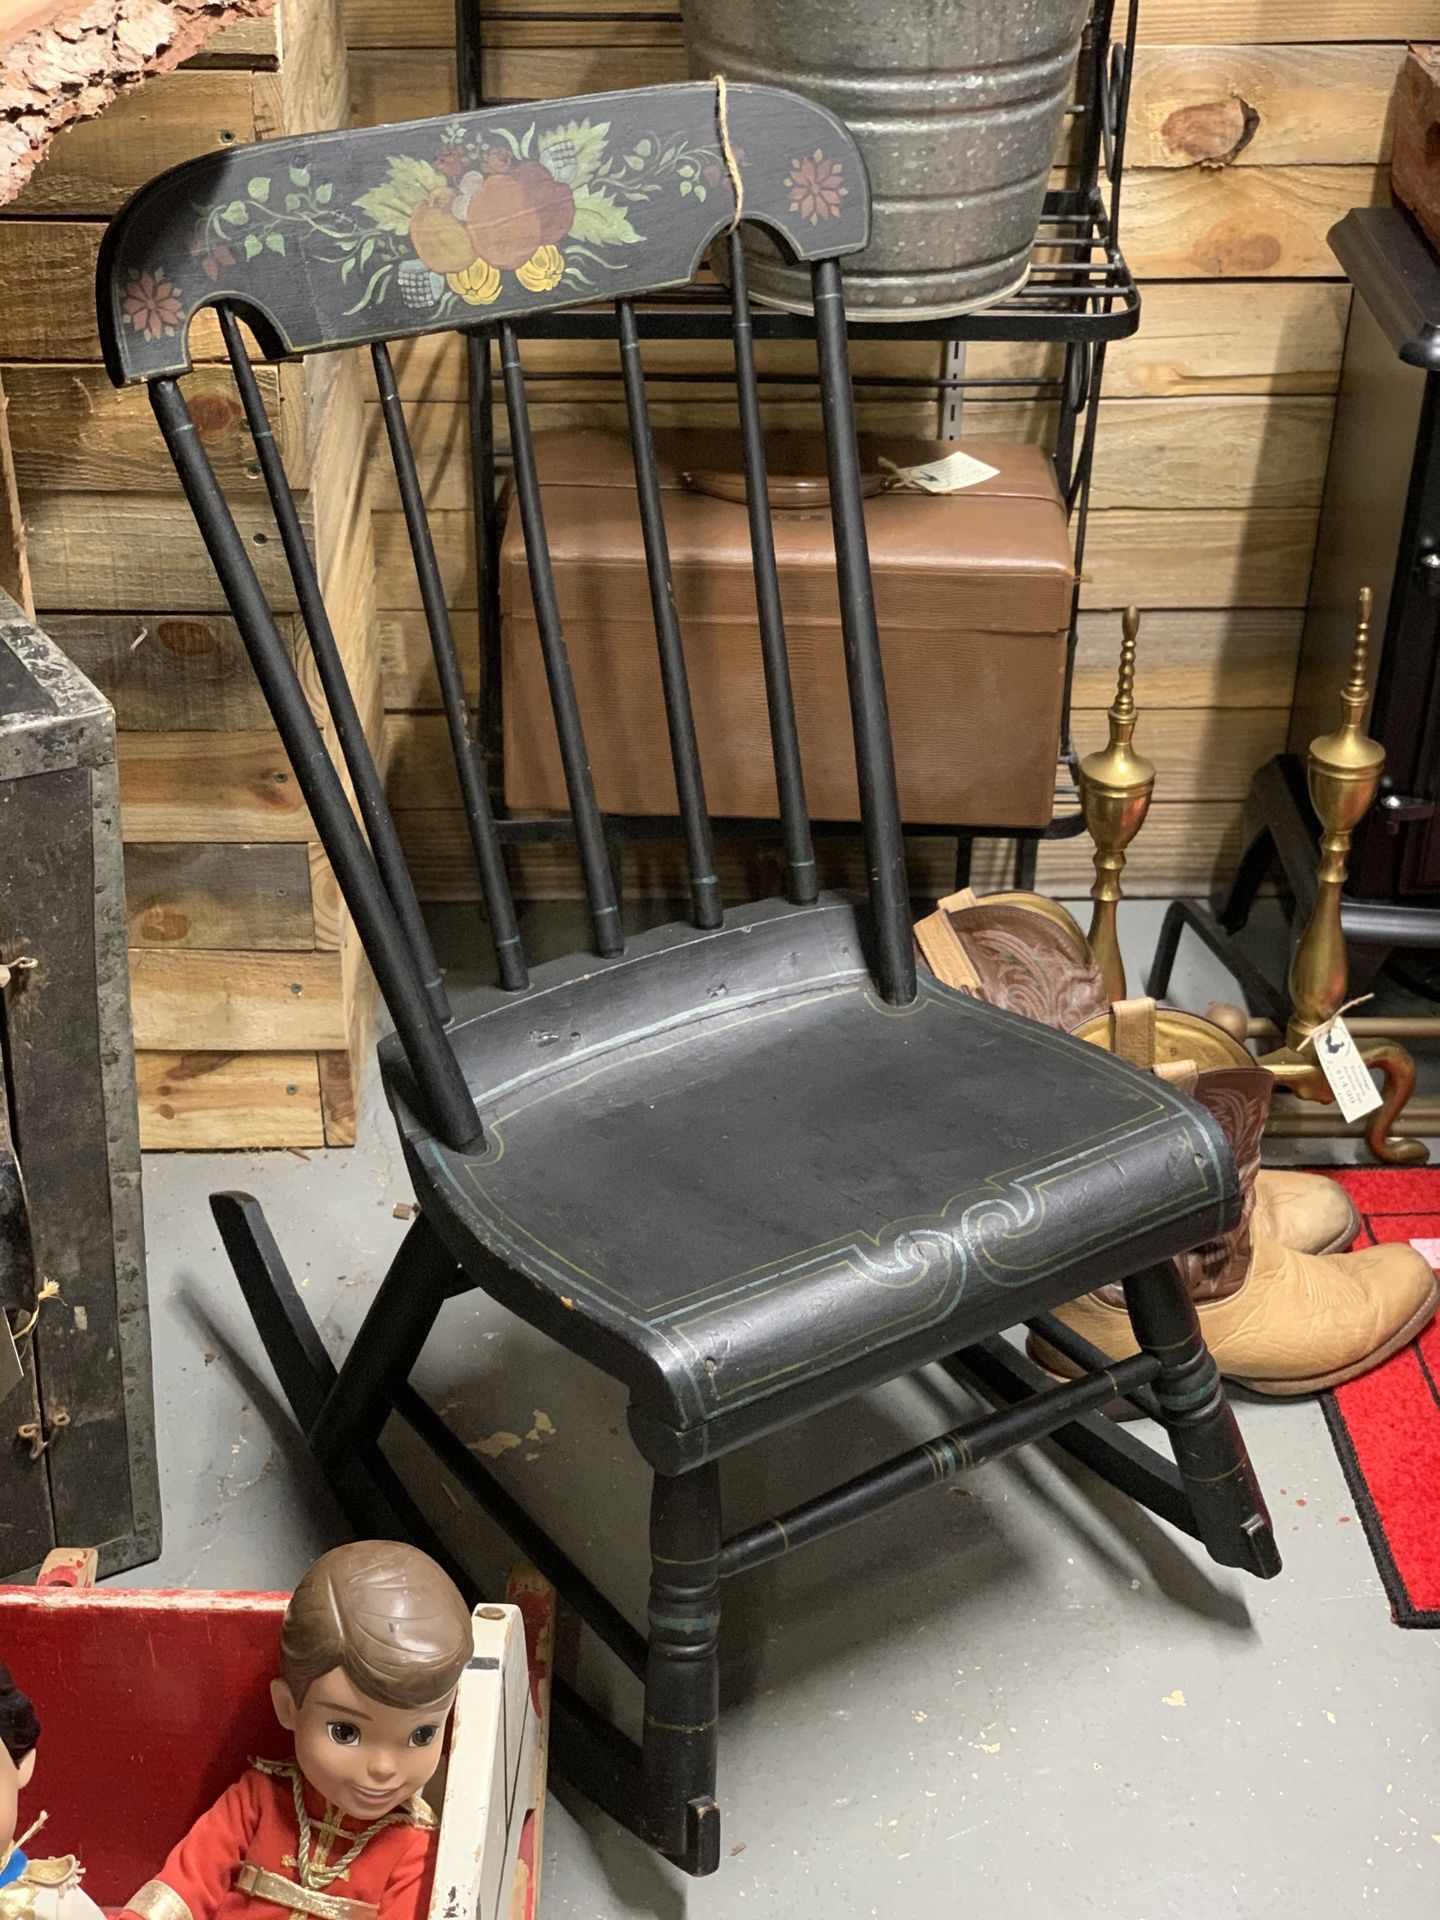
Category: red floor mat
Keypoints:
(1386, 1426)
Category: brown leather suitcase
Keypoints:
(973, 591)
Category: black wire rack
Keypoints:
(1079, 296)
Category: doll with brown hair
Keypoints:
(373, 1645)
(30, 1889)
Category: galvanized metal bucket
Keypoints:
(957, 106)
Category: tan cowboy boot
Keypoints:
(1028, 955)
(1277, 1321)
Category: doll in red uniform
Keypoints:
(374, 1642)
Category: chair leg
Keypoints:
(678, 1814)
(1231, 1518)
(384, 1351)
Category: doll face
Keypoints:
(366, 1759)
(13, 1781)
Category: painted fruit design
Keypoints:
(503, 217)
(443, 226)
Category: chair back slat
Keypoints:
(440, 1083)
(804, 883)
(705, 907)
(570, 732)
(464, 748)
(869, 712)
(344, 714)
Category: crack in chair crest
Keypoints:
(750, 1166)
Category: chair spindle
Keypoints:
(705, 906)
(774, 655)
(574, 755)
(469, 767)
(440, 1083)
(869, 713)
(349, 729)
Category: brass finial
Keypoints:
(1343, 773)
(1115, 789)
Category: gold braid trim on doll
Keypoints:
(156, 1901)
(281, 1892)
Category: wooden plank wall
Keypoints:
(1254, 125)
(251, 1000)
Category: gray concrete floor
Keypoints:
(1020, 1697)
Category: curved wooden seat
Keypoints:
(729, 1172)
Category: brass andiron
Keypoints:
(1343, 773)
(1115, 789)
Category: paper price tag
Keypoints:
(1356, 1093)
(949, 475)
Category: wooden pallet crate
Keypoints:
(251, 999)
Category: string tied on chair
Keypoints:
(727, 149)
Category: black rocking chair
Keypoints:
(750, 1166)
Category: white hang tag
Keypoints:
(956, 470)
(12, 1372)
(1355, 1091)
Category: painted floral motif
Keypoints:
(447, 229)
(815, 189)
(151, 304)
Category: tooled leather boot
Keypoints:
(1276, 1320)
(1027, 954)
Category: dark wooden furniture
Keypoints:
(77, 1437)
(1379, 526)
(752, 1165)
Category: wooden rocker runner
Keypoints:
(753, 1165)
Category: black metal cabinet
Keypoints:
(1380, 522)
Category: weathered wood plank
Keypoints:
(105, 552)
(429, 23)
(1223, 558)
(1224, 336)
(220, 1102)
(209, 787)
(1241, 222)
(1242, 452)
(236, 1002)
(167, 672)
(409, 665)
(95, 165)
(1264, 106)
(407, 84)
(1221, 657)
(74, 432)
(374, 23)
(1184, 847)
(230, 896)
(1228, 22)
(1210, 558)
(244, 43)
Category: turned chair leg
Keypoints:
(678, 1814)
(1230, 1513)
